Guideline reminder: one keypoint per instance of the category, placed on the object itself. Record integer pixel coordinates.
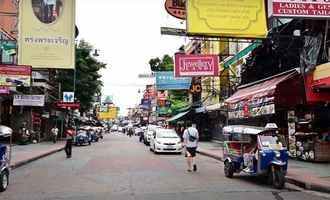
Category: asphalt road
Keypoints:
(121, 168)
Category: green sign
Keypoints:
(241, 54)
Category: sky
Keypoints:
(127, 35)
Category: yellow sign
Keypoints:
(47, 33)
(111, 114)
(227, 18)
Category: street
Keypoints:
(120, 167)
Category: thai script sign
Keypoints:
(15, 75)
(47, 33)
(299, 8)
(227, 18)
(196, 65)
(29, 100)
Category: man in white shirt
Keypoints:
(190, 140)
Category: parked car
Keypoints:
(5, 156)
(165, 140)
(120, 129)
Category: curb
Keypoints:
(309, 186)
(299, 183)
(24, 162)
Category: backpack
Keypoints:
(191, 138)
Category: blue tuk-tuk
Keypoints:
(5, 156)
(256, 151)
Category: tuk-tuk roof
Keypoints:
(243, 129)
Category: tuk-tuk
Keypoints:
(256, 151)
(5, 156)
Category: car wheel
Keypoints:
(89, 142)
(4, 180)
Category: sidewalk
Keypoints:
(311, 176)
(23, 154)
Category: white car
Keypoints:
(166, 140)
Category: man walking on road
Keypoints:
(70, 132)
(190, 140)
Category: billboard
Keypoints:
(29, 100)
(111, 114)
(47, 33)
(299, 8)
(196, 65)
(227, 18)
(176, 8)
(167, 81)
(15, 75)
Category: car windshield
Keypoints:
(167, 134)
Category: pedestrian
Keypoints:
(54, 132)
(70, 133)
(190, 141)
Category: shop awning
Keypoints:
(259, 89)
(178, 116)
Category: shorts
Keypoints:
(192, 151)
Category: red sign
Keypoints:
(14, 75)
(176, 8)
(300, 8)
(67, 105)
(196, 65)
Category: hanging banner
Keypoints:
(227, 18)
(29, 100)
(15, 75)
(196, 65)
(167, 81)
(299, 8)
(47, 33)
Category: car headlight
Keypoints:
(158, 142)
(178, 142)
(277, 154)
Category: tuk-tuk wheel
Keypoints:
(229, 169)
(4, 180)
(278, 179)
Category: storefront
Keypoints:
(298, 105)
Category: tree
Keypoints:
(164, 64)
(88, 83)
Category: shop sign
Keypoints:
(167, 81)
(227, 18)
(4, 90)
(196, 65)
(68, 97)
(15, 75)
(29, 100)
(299, 8)
(176, 8)
(252, 112)
(67, 105)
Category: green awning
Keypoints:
(241, 54)
(178, 116)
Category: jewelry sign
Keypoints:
(196, 65)
(299, 8)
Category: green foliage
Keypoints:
(88, 83)
(164, 64)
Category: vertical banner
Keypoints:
(47, 33)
